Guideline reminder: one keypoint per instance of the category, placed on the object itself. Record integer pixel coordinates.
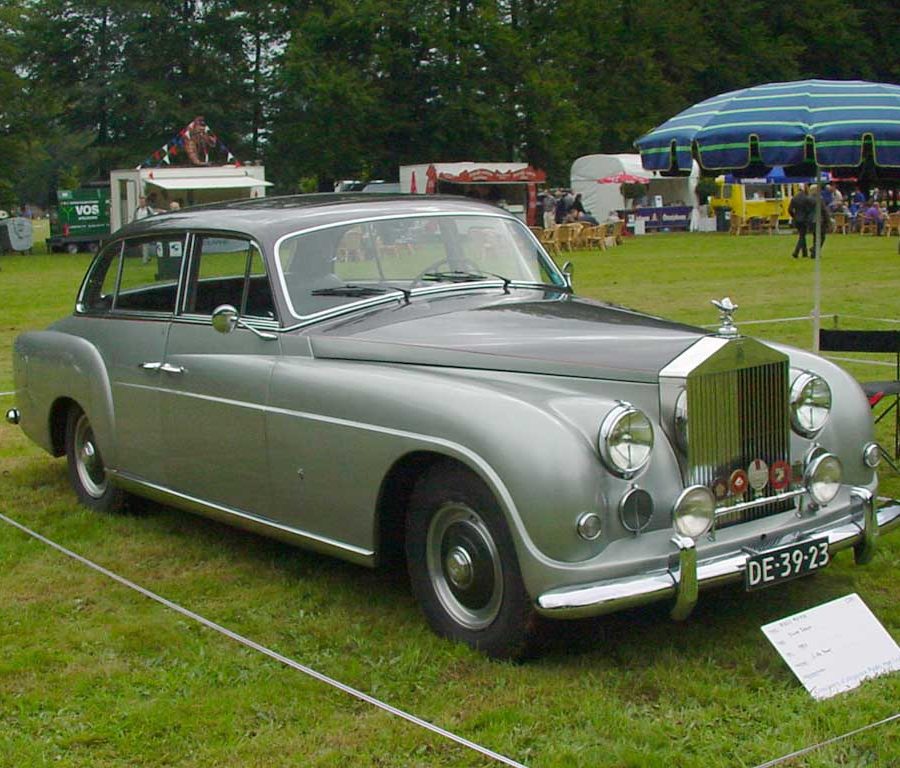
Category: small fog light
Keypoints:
(823, 478)
(694, 511)
(589, 526)
(872, 455)
(636, 510)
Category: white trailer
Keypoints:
(600, 198)
(186, 185)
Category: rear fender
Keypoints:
(50, 366)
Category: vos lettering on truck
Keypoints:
(79, 220)
(92, 210)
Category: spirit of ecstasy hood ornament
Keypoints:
(727, 307)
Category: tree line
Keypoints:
(323, 90)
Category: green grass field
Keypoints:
(94, 674)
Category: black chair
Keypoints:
(883, 394)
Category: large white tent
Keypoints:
(600, 199)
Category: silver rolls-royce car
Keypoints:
(414, 377)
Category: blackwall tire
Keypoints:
(87, 473)
(463, 566)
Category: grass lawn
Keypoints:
(94, 674)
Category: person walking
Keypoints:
(800, 209)
(817, 202)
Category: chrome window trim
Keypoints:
(307, 319)
(79, 300)
(266, 323)
(197, 236)
(132, 314)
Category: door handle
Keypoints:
(150, 366)
(167, 368)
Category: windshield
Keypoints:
(328, 267)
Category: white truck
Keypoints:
(184, 185)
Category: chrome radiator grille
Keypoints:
(738, 418)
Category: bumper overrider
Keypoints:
(689, 574)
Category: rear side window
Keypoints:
(139, 275)
(229, 270)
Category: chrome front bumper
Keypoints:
(684, 581)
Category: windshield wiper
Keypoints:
(349, 290)
(358, 291)
(460, 276)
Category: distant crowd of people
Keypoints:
(147, 208)
(562, 206)
(874, 208)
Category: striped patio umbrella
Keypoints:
(820, 123)
(827, 123)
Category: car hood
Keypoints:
(551, 334)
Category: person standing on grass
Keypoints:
(549, 205)
(801, 209)
(817, 203)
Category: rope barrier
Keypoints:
(882, 363)
(835, 317)
(288, 662)
(825, 743)
(6, 394)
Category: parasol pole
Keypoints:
(817, 268)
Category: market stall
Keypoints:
(594, 177)
(512, 186)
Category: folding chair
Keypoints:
(883, 394)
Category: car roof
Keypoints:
(268, 218)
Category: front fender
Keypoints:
(850, 426)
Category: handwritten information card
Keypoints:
(834, 647)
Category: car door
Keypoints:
(217, 384)
(125, 309)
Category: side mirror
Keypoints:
(568, 271)
(224, 318)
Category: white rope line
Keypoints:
(883, 363)
(825, 743)
(835, 316)
(5, 394)
(267, 652)
(870, 319)
(804, 318)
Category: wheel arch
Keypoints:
(58, 415)
(394, 497)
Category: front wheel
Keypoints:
(87, 472)
(463, 566)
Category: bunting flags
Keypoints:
(176, 146)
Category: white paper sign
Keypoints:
(834, 647)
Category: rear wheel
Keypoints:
(463, 565)
(71, 248)
(87, 472)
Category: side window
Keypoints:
(100, 287)
(148, 279)
(229, 270)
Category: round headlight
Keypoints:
(681, 420)
(823, 478)
(694, 511)
(872, 455)
(810, 403)
(625, 440)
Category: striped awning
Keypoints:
(827, 122)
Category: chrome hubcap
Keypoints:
(458, 566)
(88, 463)
(464, 566)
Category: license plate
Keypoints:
(788, 562)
